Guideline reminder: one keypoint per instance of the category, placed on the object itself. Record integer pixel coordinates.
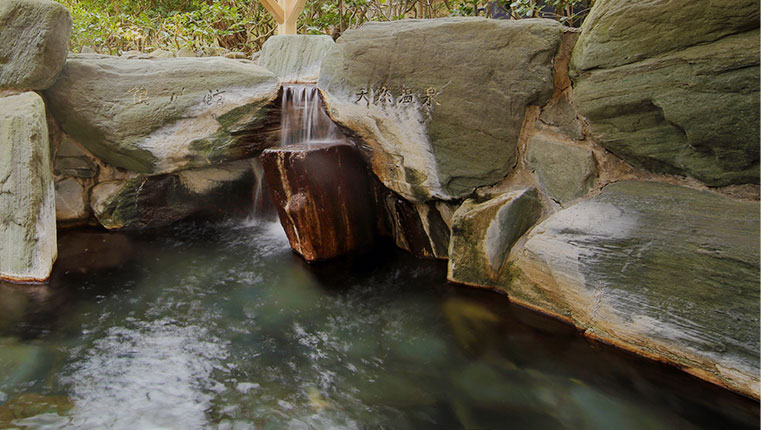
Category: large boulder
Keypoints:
(323, 198)
(679, 99)
(157, 116)
(224, 190)
(34, 42)
(440, 103)
(27, 196)
(295, 57)
(666, 271)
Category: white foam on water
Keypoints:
(153, 375)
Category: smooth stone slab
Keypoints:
(666, 271)
(34, 38)
(70, 202)
(27, 196)
(153, 115)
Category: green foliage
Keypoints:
(114, 26)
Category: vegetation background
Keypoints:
(218, 26)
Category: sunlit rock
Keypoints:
(153, 201)
(323, 197)
(20, 411)
(33, 42)
(27, 196)
(155, 116)
(295, 57)
(565, 172)
(70, 203)
(666, 271)
(440, 103)
(483, 232)
(674, 98)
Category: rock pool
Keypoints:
(223, 327)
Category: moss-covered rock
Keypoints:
(33, 43)
(680, 99)
(154, 201)
(155, 116)
(666, 271)
(483, 232)
(27, 196)
(440, 103)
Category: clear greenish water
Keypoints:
(222, 327)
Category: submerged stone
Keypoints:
(295, 57)
(33, 43)
(484, 232)
(155, 116)
(679, 99)
(439, 117)
(666, 271)
(323, 198)
(27, 193)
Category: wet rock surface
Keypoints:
(155, 116)
(27, 196)
(323, 198)
(680, 99)
(33, 43)
(430, 98)
(666, 271)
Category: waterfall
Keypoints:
(304, 120)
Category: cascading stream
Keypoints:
(304, 119)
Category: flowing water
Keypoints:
(223, 327)
(304, 119)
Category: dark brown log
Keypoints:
(323, 198)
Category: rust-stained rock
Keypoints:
(323, 198)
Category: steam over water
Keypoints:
(222, 327)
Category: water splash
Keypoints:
(304, 119)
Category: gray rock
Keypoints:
(666, 271)
(185, 52)
(72, 161)
(679, 99)
(161, 115)
(445, 98)
(27, 197)
(71, 206)
(155, 201)
(484, 232)
(295, 57)
(561, 118)
(33, 42)
(564, 172)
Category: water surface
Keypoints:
(222, 327)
